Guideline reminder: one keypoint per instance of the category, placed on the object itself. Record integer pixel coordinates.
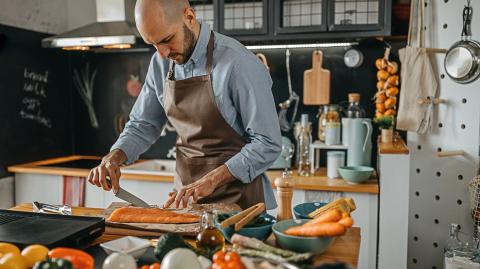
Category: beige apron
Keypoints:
(205, 140)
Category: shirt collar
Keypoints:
(202, 42)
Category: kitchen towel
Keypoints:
(74, 191)
(418, 77)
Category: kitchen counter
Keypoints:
(318, 182)
(398, 146)
(344, 249)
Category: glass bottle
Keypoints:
(354, 109)
(303, 147)
(333, 114)
(322, 122)
(210, 239)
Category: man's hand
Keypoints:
(110, 166)
(200, 188)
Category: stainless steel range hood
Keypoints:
(114, 28)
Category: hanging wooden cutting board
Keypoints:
(316, 82)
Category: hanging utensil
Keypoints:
(286, 125)
(463, 58)
(263, 59)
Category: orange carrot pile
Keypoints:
(331, 223)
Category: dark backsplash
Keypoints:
(23, 140)
(114, 70)
(35, 109)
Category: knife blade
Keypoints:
(129, 197)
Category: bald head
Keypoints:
(169, 10)
(169, 25)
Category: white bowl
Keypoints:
(130, 245)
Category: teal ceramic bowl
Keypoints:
(301, 211)
(315, 245)
(355, 174)
(260, 231)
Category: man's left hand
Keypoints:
(200, 188)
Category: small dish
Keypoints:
(260, 231)
(130, 245)
(301, 211)
(355, 174)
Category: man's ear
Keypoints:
(189, 16)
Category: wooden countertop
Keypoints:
(344, 249)
(318, 182)
(398, 146)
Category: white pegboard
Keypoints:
(439, 186)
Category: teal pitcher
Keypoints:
(359, 142)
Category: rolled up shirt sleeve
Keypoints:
(250, 89)
(147, 120)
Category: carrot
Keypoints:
(321, 229)
(347, 222)
(332, 215)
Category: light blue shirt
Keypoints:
(242, 88)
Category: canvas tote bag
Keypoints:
(418, 78)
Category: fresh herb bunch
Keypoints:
(384, 122)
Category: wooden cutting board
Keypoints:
(152, 229)
(316, 82)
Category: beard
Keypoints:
(188, 45)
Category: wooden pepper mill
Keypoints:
(284, 186)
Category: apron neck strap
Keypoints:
(211, 41)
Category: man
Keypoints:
(217, 95)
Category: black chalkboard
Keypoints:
(35, 109)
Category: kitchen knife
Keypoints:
(128, 197)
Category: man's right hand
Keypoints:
(110, 166)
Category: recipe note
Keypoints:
(34, 92)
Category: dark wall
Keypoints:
(35, 110)
(112, 102)
(114, 70)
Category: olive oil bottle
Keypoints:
(210, 239)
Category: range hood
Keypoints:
(114, 28)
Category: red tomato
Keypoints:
(232, 257)
(235, 265)
(219, 265)
(144, 267)
(154, 266)
(219, 256)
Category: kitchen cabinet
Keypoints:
(205, 10)
(303, 20)
(243, 17)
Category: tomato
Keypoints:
(235, 265)
(13, 260)
(155, 265)
(34, 254)
(8, 248)
(219, 265)
(232, 256)
(145, 267)
(218, 256)
(79, 259)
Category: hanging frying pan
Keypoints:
(463, 58)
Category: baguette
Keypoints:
(343, 204)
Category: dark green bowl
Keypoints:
(261, 232)
(315, 245)
(301, 211)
